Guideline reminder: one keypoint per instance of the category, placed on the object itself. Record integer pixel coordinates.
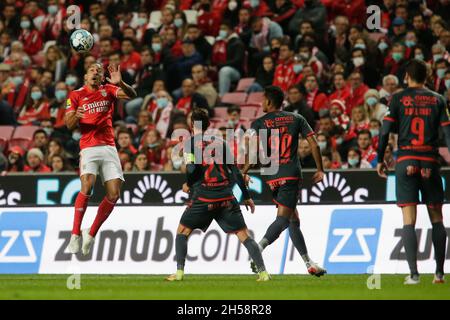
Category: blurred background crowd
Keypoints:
(217, 55)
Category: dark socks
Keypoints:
(181, 250)
(255, 253)
(274, 231)
(296, 236)
(439, 236)
(410, 243)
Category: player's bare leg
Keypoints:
(104, 210)
(255, 254)
(298, 241)
(409, 239)
(81, 202)
(181, 240)
(439, 237)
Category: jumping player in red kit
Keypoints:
(91, 108)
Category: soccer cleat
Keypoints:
(74, 244)
(88, 241)
(263, 276)
(178, 276)
(412, 279)
(314, 269)
(438, 278)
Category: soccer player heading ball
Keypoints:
(91, 108)
(416, 114)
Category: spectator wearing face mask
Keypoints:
(35, 160)
(395, 63)
(36, 109)
(161, 115)
(440, 68)
(355, 161)
(372, 103)
(29, 36)
(359, 63)
(325, 144)
(374, 128)
(232, 69)
(57, 107)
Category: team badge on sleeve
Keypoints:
(68, 104)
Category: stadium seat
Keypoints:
(3, 145)
(6, 132)
(249, 111)
(443, 151)
(244, 84)
(220, 112)
(234, 98)
(255, 98)
(24, 132)
(24, 143)
(191, 16)
(155, 18)
(211, 40)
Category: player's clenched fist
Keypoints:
(80, 113)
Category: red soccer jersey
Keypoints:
(96, 125)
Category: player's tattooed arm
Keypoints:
(125, 91)
(72, 118)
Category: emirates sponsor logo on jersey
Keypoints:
(96, 107)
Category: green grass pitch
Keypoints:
(217, 287)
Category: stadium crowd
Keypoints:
(217, 55)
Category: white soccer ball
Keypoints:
(81, 40)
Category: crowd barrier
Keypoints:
(159, 188)
(349, 239)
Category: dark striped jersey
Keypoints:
(278, 134)
(416, 115)
(211, 172)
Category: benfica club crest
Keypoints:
(103, 92)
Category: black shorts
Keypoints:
(227, 214)
(286, 193)
(413, 176)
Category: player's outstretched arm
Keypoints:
(125, 91)
(315, 149)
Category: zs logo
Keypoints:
(21, 240)
(353, 240)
